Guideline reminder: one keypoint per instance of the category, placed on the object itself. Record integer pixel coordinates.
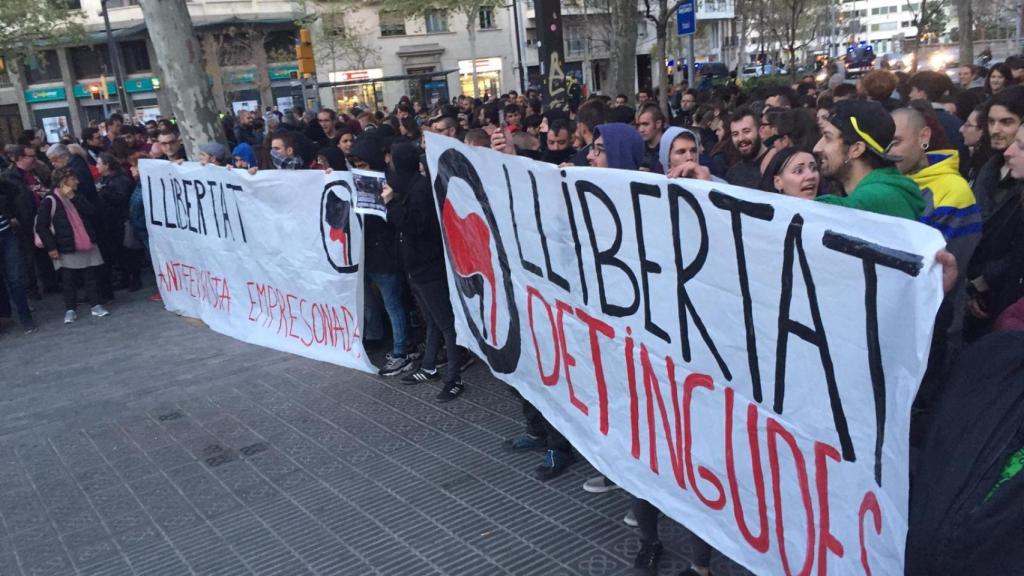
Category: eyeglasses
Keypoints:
(598, 150)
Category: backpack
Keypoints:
(35, 222)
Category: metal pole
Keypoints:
(520, 49)
(692, 80)
(115, 57)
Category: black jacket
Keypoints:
(999, 256)
(990, 188)
(965, 499)
(86, 184)
(62, 239)
(419, 235)
(114, 192)
(20, 201)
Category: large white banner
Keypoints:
(743, 360)
(271, 259)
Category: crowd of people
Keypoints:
(918, 147)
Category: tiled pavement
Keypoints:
(144, 443)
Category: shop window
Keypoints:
(135, 57)
(436, 21)
(487, 18)
(392, 24)
(90, 61)
(46, 68)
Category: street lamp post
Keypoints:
(115, 58)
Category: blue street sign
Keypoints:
(686, 18)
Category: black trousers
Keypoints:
(647, 523)
(437, 312)
(69, 279)
(537, 425)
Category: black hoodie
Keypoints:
(379, 234)
(414, 216)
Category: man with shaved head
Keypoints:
(950, 206)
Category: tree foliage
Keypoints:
(26, 26)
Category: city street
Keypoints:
(145, 443)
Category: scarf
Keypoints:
(82, 241)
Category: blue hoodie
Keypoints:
(622, 144)
(245, 152)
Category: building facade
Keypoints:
(67, 88)
(371, 58)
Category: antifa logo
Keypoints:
(336, 222)
(468, 243)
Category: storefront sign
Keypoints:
(482, 65)
(283, 72)
(45, 94)
(141, 85)
(356, 75)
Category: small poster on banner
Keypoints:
(369, 186)
(285, 103)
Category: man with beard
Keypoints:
(994, 183)
(559, 143)
(244, 132)
(854, 151)
(746, 171)
(590, 115)
(993, 276)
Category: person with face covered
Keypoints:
(854, 151)
(410, 205)
(558, 141)
(743, 129)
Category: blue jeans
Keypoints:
(10, 267)
(391, 287)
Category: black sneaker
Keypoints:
(395, 365)
(451, 391)
(420, 376)
(648, 558)
(555, 462)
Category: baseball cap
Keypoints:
(868, 122)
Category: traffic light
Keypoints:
(94, 91)
(304, 54)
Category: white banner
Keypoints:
(743, 360)
(271, 259)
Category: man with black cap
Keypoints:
(854, 151)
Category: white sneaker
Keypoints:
(70, 316)
(630, 519)
(99, 311)
(600, 485)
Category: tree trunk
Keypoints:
(211, 55)
(622, 59)
(180, 59)
(965, 15)
(258, 39)
(659, 61)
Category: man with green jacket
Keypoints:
(854, 151)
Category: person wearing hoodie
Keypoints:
(244, 157)
(681, 156)
(410, 205)
(382, 266)
(616, 145)
(854, 151)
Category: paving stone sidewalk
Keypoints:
(144, 443)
